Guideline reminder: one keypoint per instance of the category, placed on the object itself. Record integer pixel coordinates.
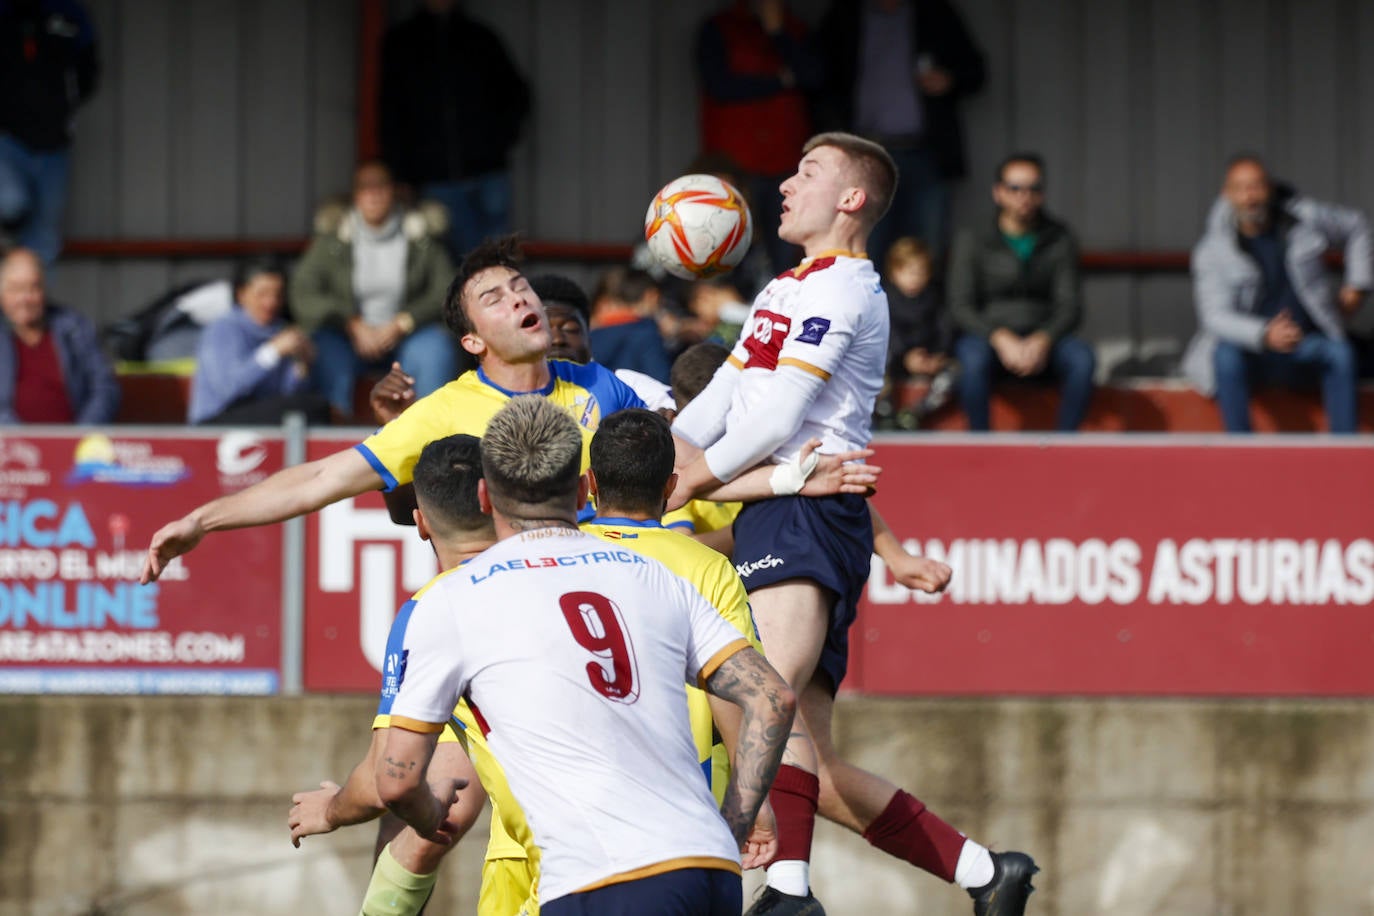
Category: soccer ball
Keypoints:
(698, 226)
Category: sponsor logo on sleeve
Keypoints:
(813, 329)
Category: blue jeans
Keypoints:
(1071, 362)
(33, 192)
(1317, 358)
(428, 355)
(478, 209)
(920, 206)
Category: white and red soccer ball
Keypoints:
(698, 226)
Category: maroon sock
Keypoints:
(794, 796)
(908, 830)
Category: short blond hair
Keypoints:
(532, 458)
(906, 250)
(875, 170)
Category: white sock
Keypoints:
(974, 868)
(793, 876)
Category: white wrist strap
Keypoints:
(788, 479)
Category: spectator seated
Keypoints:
(1146, 405)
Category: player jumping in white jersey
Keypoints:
(810, 364)
(577, 685)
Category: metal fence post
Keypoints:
(293, 571)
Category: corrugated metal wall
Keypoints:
(214, 118)
(221, 118)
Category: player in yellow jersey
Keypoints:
(499, 320)
(450, 518)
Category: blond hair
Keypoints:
(906, 250)
(874, 170)
(532, 458)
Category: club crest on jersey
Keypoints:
(591, 412)
(394, 672)
(766, 338)
(813, 329)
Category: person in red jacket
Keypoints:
(756, 66)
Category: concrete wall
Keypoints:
(178, 805)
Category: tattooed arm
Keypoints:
(768, 705)
(402, 786)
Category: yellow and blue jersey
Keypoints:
(510, 833)
(702, 516)
(394, 661)
(713, 576)
(467, 404)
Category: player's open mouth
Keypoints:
(531, 321)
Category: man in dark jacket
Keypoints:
(452, 104)
(896, 72)
(1014, 293)
(48, 68)
(52, 369)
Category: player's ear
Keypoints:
(473, 344)
(591, 483)
(420, 524)
(483, 497)
(582, 488)
(672, 485)
(853, 200)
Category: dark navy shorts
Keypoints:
(828, 540)
(682, 892)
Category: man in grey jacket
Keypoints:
(1267, 311)
(1014, 292)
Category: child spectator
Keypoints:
(718, 310)
(918, 348)
(625, 327)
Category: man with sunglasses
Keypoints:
(1014, 293)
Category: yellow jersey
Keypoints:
(467, 404)
(702, 516)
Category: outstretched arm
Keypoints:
(826, 476)
(331, 806)
(286, 494)
(768, 706)
(916, 572)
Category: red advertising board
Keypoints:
(359, 568)
(1114, 565)
(77, 510)
(1149, 567)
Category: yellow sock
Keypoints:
(394, 891)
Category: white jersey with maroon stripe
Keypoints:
(572, 654)
(827, 317)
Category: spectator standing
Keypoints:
(1267, 312)
(370, 289)
(919, 336)
(452, 104)
(756, 66)
(48, 68)
(897, 72)
(52, 369)
(1015, 295)
(625, 329)
(251, 366)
